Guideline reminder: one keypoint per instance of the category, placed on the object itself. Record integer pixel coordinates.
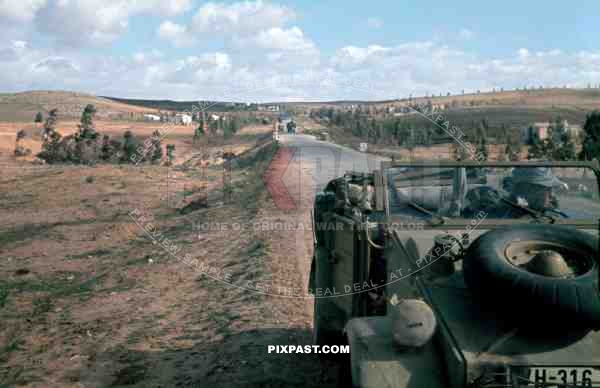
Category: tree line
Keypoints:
(88, 146)
(558, 144)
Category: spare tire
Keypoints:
(497, 266)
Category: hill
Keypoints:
(533, 97)
(510, 109)
(181, 106)
(24, 106)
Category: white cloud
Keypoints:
(283, 39)
(283, 51)
(240, 18)
(83, 22)
(466, 34)
(161, 7)
(240, 23)
(56, 65)
(427, 67)
(523, 53)
(19, 44)
(375, 23)
(19, 10)
(352, 55)
(176, 33)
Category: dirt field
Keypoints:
(88, 300)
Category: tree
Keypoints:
(157, 152)
(51, 149)
(439, 125)
(50, 124)
(129, 146)
(105, 151)
(171, 153)
(482, 151)
(591, 141)
(199, 131)
(231, 127)
(86, 127)
(19, 149)
(39, 118)
(556, 146)
(21, 135)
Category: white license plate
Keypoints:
(556, 377)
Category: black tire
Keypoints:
(490, 274)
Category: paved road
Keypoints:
(325, 161)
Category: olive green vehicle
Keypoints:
(505, 254)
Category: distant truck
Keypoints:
(291, 127)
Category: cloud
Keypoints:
(254, 32)
(19, 11)
(375, 23)
(83, 22)
(427, 67)
(466, 34)
(176, 33)
(56, 65)
(240, 18)
(242, 22)
(420, 67)
(283, 39)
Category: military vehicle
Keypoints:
(504, 254)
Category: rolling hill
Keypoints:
(22, 107)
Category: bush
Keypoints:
(22, 151)
(157, 152)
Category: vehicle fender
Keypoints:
(376, 362)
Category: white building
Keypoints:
(540, 131)
(182, 118)
(149, 117)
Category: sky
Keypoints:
(303, 50)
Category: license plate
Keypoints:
(555, 377)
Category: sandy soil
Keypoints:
(87, 299)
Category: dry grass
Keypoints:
(24, 106)
(87, 299)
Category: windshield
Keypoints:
(526, 193)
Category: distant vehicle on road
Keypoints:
(323, 136)
(291, 127)
(363, 147)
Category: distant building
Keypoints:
(149, 117)
(541, 130)
(535, 132)
(271, 108)
(183, 119)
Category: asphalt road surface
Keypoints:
(326, 161)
